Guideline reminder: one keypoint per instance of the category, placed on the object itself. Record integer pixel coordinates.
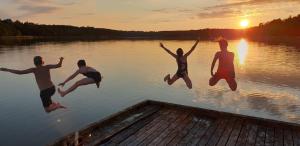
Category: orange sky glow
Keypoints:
(149, 14)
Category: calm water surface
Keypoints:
(267, 75)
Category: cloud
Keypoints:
(34, 7)
(77, 15)
(56, 2)
(31, 1)
(219, 13)
(163, 10)
(67, 2)
(185, 10)
(33, 10)
(28, 8)
(237, 8)
(86, 14)
(172, 10)
(249, 3)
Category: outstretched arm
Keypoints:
(192, 49)
(19, 72)
(167, 50)
(213, 64)
(58, 65)
(69, 78)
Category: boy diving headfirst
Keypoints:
(92, 76)
(43, 80)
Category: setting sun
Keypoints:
(244, 23)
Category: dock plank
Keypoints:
(202, 131)
(139, 136)
(131, 130)
(218, 133)
(203, 140)
(120, 124)
(225, 136)
(278, 136)
(146, 128)
(235, 133)
(260, 136)
(163, 126)
(252, 134)
(296, 137)
(197, 131)
(177, 137)
(269, 136)
(242, 139)
(288, 138)
(166, 135)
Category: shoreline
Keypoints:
(25, 40)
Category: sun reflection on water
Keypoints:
(242, 51)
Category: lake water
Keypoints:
(267, 76)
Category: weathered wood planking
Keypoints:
(158, 123)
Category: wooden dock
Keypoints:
(158, 123)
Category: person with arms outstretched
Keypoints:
(43, 80)
(226, 67)
(182, 71)
(92, 77)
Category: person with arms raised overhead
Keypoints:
(92, 77)
(226, 67)
(43, 80)
(182, 71)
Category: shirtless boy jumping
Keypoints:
(225, 68)
(43, 80)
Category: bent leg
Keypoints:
(232, 83)
(214, 80)
(188, 81)
(172, 80)
(81, 82)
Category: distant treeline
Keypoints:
(287, 27)
(17, 28)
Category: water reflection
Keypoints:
(268, 78)
(242, 51)
(277, 104)
(263, 101)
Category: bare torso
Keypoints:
(87, 69)
(225, 62)
(43, 78)
(182, 63)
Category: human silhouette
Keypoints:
(92, 77)
(226, 67)
(43, 80)
(182, 71)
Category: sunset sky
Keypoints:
(149, 14)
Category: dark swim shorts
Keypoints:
(46, 96)
(181, 74)
(96, 76)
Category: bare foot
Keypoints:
(167, 77)
(54, 106)
(58, 105)
(60, 92)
